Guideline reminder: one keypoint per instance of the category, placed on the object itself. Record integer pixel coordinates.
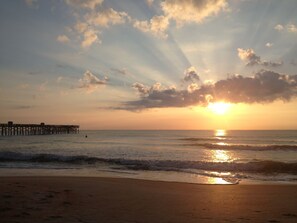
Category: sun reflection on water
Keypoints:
(221, 156)
(217, 180)
(222, 144)
(220, 133)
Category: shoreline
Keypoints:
(166, 176)
(101, 199)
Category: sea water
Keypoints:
(209, 157)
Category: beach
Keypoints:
(95, 199)
(152, 111)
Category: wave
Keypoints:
(232, 139)
(267, 167)
(193, 139)
(244, 147)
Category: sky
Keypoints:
(149, 64)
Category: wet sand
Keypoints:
(83, 199)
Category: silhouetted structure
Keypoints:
(11, 129)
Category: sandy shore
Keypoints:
(77, 199)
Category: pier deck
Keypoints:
(11, 129)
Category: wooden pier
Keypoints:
(11, 129)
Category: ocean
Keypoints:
(204, 157)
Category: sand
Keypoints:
(83, 199)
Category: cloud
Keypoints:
(89, 37)
(88, 4)
(107, 17)
(141, 88)
(192, 87)
(59, 79)
(34, 73)
(185, 11)
(81, 27)
(90, 22)
(291, 28)
(180, 11)
(269, 44)
(90, 82)
(251, 59)
(149, 2)
(272, 63)
(249, 56)
(95, 17)
(191, 75)
(158, 25)
(32, 3)
(89, 34)
(22, 107)
(63, 39)
(122, 71)
(279, 27)
(264, 87)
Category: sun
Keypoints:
(219, 108)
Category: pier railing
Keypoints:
(11, 129)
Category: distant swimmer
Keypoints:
(86, 136)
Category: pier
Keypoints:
(11, 129)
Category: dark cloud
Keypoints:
(272, 64)
(191, 75)
(264, 87)
(142, 89)
(62, 66)
(21, 107)
(251, 59)
(120, 71)
(33, 73)
(249, 56)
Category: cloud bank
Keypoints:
(264, 87)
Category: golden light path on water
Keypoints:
(218, 155)
(220, 132)
(217, 180)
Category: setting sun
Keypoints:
(219, 108)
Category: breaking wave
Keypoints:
(266, 167)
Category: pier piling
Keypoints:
(11, 129)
